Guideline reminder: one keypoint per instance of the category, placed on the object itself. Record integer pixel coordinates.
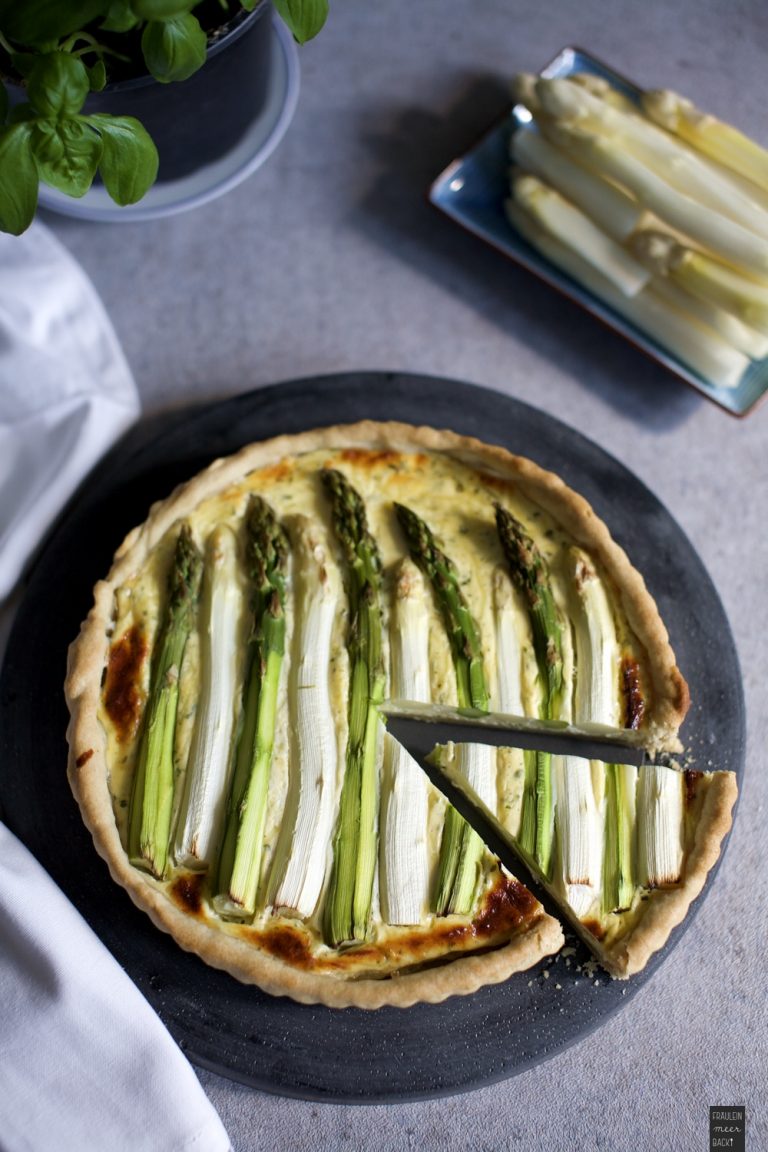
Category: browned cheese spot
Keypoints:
(281, 470)
(122, 692)
(187, 891)
(371, 460)
(290, 944)
(595, 927)
(692, 778)
(508, 905)
(634, 703)
(507, 908)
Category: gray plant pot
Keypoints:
(199, 120)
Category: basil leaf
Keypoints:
(250, 5)
(18, 179)
(173, 49)
(58, 85)
(129, 158)
(47, 143)
(40, 21)
(67, 152)
(5, 103)
(120, 17)
(97, 76)
(162, 9)
(304, 18)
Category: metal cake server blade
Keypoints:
(421, 727)
(490, 832)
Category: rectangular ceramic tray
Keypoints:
(472, 191)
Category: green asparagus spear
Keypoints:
(151, 806)
(463, 633)
(460, 847)
(240, 859)
(618, 879)
(348, 904)
(529, 571)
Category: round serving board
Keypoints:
(270, 1042)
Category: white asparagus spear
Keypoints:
(578, 814)
(300, 874)
(597, 699)
(747, 340)
(660, 810)
(708, 279)
(698, 346)
(614, 210)
(727, 153)
(721, 141)
(210, 752)
(677, 210)
(576, 109)
(571, 226)
(404, 845)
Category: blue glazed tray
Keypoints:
(472, 191)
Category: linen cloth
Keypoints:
(85, 1063)
(66, 391)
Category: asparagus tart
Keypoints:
(230, 760)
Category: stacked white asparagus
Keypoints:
(354, 835)
(658, 209)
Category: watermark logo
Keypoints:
(727, 1127)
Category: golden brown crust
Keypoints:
(542, 936)
(88, 771)
(709, 821)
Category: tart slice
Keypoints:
(226, 748)
(677, 821)
(622, 850)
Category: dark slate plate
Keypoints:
(272, 1043)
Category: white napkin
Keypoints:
(85, 1064)
(66, 391)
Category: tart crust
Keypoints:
(540, 935)
(708, 821)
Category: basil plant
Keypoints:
(60, 50)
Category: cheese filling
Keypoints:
(457, 503)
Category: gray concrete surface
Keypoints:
(329, 259)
